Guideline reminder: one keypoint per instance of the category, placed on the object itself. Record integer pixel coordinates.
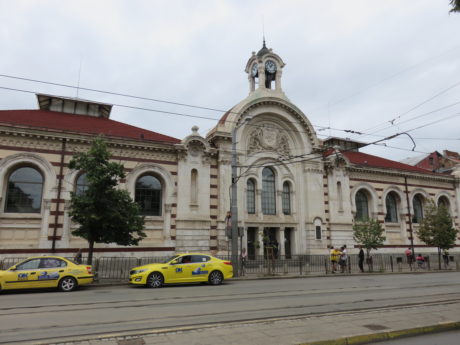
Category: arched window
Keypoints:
(24, 193)
(251, 196)
(286, 198)
(148, 195)
(268, 191)
(417, 203)
(194, 186)
(81, 184)
(340, 196)
(443, 201)
(391, 203)
(362, 208)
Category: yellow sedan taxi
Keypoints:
(46, 272)
(182, 268)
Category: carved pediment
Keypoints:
(268, 138)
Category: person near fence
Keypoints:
(334, 256)
(445, 258)
(409, 257)
(361, 259)
(420, 261)
(243, 258)
(78, 256)
(343, 258)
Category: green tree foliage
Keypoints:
(369, 234)
(104, 213)
(455, 5)
(436, 228)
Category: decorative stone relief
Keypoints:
(268, 138)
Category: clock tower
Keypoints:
(264, 69)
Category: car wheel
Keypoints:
(67, 284)
(155, 280)
(216, 278)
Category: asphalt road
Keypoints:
(53, 316)
(447, 338)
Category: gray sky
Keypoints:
(350, 65)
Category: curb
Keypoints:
(114, 282)
(376, 337)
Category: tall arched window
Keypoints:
(81, 184)
(268, 191)
(362, 208)
(443, 201)
(251, 196)
(24, 193)
(194, 186)
(286, 198)
(148, 195)
(391, 203)
(417, 203)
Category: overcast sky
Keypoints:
(350, 65)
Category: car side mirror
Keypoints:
(13, 268)
(174, 262)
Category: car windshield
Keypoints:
(169, 259)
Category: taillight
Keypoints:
(228, 262)
(89, 269)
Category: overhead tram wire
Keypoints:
(182, 114)
(411, 109)
(195, 116)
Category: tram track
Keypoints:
(145, 331)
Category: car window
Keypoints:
(52, 263)
(186, 259)
(28, 265)
(169, 259)
(200, 258)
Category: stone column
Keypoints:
(260, 239)
(167, 223)
(44, 227)
(282, 249)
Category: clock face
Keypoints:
(270, 66)
(255, 70)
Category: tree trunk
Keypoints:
(89, 261)
(439, 257)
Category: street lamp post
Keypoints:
(234, 202)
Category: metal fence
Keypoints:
(119, 267)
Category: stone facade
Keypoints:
(293, 190)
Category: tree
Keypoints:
(455, 5)
(369, 234)
(104, 213)
(436, 228)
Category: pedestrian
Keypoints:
(409, 257)
(244, 257)
(420, 261)
(343, 258)
(445, 258)
(334, 257)
(361, 259)
(78, 256)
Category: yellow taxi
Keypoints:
(182, 268)
(46, 272)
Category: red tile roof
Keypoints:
(364, 159)
(50, 120)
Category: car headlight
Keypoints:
(137, 271)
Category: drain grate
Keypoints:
(375, 327)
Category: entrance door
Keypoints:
(252, 243)
(287, 242)
(270, 241)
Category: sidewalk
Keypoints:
(340, 328)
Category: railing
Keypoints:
(119, 267)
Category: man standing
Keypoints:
(334, 256)
(361, 259)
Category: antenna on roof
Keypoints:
(79, 74)
(263, 30)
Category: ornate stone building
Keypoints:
(294, 189)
